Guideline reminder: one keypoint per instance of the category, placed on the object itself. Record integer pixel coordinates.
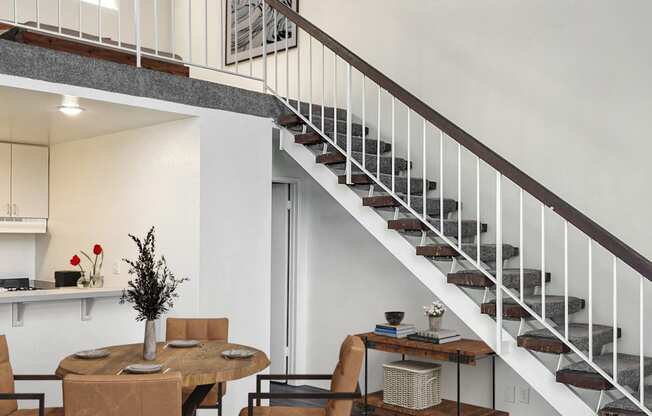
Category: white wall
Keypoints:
(347, 280)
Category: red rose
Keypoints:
(97, 249)
(75, 260)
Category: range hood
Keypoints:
(10, 225)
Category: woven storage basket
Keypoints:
(411, 384)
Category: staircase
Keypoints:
(323, 161)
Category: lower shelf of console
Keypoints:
(446, 408)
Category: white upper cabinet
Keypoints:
(5, 180)
(29, 181)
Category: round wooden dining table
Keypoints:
(201, 367)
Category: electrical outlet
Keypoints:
(510, 394)
(524, 395)
(116, 267)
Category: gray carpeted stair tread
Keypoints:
(511, 278)
(487, 251)
(329, 123)
(361, 180)
(414, 226)
(336, 158)
(578, 334)
(582, 375)
(554, 306)
(625, 407)
(387, 202)
(316, 142)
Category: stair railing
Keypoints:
(427, 121)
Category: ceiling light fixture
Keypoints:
(70, 106)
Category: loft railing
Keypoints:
(258, 48)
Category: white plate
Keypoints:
(238, 353)
(183, 343)
(92, 354)
(143, 368)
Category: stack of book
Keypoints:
(395, 331)
(443, 336)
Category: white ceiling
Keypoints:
(32, 117)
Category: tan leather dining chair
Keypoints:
(122, 395)
(201, 329)
(8, 395)
(344, 387)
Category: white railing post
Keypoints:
(590, 306)
(264, 5)
(499, 264)
(615, 319)
(137, 31)
(543, 262)
(348, 124)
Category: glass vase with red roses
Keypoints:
(94, 278)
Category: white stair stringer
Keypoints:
(526, 365)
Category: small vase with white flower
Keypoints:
(434, 312)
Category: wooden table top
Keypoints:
(198, 365)
(469, 349)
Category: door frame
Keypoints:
(293, 262)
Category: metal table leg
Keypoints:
(493, 382)
(196, 397)
(459, 402)
(366, 375)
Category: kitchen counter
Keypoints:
(86, 297)
(61, 293)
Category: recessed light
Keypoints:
(70, 106)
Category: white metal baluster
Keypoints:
(424, 185)
(205, 34)
(323, 88)
(276, 51)
(251, 41)
(543, 262)
(264, 46)
(119, 11)
(137, 31)
(287, 64)
(615, 320)
(364, 123)
(173, 19)
(16, 13)
(59, 16)
(156, 44)
(223, 33)
(641, 352)
(393, 144)
(477, 207)
(459, 196)
(335, 97)
(298, 75)
(310, 78)
(99, 21)
(408, 157)
(566, 312)
(348, 124)
(190, 34)
(499, 264)
(520, 243)
(590, 299)
(441, 182)
(38, 14)
(378, 137)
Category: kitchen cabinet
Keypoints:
(5, 180)
(24, 181)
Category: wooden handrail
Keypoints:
(589, 227)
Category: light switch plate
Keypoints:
(524, 395)
(116, 267)
(510, 394)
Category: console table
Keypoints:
(465, 351)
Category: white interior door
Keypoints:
(29, 181)
(279, 345)
(5, 180)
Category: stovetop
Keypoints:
(20, 284)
